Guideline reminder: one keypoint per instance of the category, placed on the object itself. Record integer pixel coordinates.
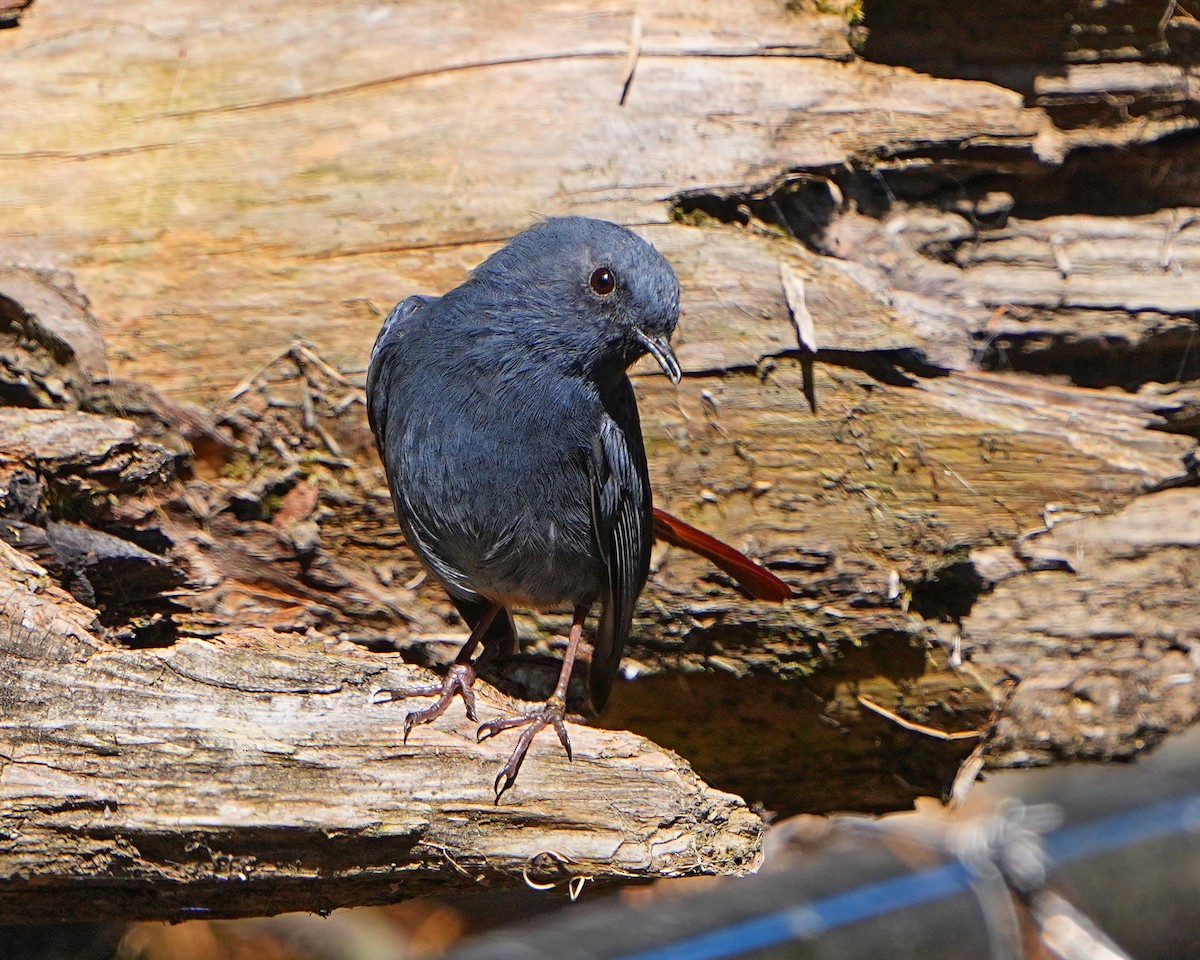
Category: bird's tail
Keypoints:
(756, 580)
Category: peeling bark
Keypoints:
(1099, 620)
(51, 348)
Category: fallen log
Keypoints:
(251, 774)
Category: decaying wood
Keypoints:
(1099, 619)
(996, 274)
(11, 10)
(51, 348)
(251, 774)
(97, 568)
(94, 456)
(1105, 65)
(270, 197)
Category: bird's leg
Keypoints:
(459, 680)
(550, 713)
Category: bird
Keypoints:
(509, 433)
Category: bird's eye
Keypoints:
(603, 281)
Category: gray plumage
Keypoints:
(509, 429)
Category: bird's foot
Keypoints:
(459, 680)
(550, 713)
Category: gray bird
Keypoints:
(510, 435)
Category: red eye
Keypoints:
(603, 281)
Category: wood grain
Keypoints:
(274, 172)
(251, 774)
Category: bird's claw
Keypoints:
(459, 681)
(509, 778)
(550, 713)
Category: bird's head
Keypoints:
(592, 289)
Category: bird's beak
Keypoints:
(660, 348)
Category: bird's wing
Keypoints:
(622, 523)
(501, 636)
(398, 318)
(391, 331)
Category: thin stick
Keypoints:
(310, 354)
(917, 727)
(248, 382)
(631, 59)
(334, 447)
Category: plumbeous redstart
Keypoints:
(510, 435)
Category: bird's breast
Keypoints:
(490, 473)
(507, 520)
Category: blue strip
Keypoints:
(1124, 829)
(725, 942)
(1063, 846)
(909, 890)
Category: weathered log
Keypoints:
(97, 568)
(821, 131)
(1098, 618)
(11, 10)
(290, 178)
(356, 184)
(92, 457)
(885, 515)
(252, 774)
(1097, 64)
(755, 108)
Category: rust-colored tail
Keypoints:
(756, 580)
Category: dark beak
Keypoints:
(661, 350)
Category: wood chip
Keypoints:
(793, 291)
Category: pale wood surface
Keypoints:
(276, 170)
(251, 773)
